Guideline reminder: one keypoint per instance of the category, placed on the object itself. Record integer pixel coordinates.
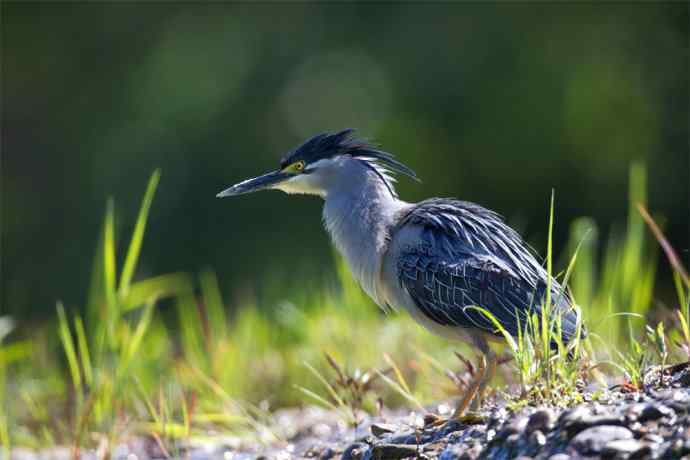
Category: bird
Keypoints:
(447, 262)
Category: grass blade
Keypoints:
(326, 403)
(398, 373)
(138, 235)
(215, 309)
(158, 287)
(109, 264)
(83, 345)
(683, 299)
(132, 346)
(68, 346)
(509, 338)
(671, 255)
(573, 259)
(400, 390)
(329, 387)
(4, 436)
(546, 308)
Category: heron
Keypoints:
(446, 262)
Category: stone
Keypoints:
(404, 438)
(573, 415)
(537, 438)
(676, 449)
(581, 418)
(394, 451)
(459, 452)
(653, 438)
(654, 412)
(381, 429)
(513, 439)
(592, 440)
(22, 454)
(644, 452)
(327, 454)
(621, 447)
(453, 452)
(513, 427)
(682, 379)
(649, 411)
(541, 420)
(355, 451)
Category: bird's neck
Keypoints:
(359, 214)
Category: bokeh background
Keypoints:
(493, 103)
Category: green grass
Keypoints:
(120, 369)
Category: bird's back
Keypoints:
(448, 257)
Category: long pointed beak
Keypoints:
(264, 182)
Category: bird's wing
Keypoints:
(449, 291)
(468, 257)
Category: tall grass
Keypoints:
(616, 294)
(120, 369)
(546, 373)
(104, 353)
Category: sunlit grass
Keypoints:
(119, 369)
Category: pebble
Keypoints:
(677, 448)
(22, 454)
(654, 412)
(654, 424)
(381, 429)
(453, 452)
(456, 452)
(511, 428)
(537, 438)
(653, 438)
(405, 438)
(394, 451)
(354, 451)
(541, 420)
(327, 454)
(582, 418)
(560, 457)
(594, 439)
(621, 447)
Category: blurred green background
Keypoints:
(493, 103)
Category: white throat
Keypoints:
(359, 213)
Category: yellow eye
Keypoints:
(296, 167)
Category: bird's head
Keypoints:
(320, 161)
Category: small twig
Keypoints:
(84, 417)
(161, 445)
(673, 258)
(334, 364)
(466, 362)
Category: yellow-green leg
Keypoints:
(472, 390)
(487, 377)
(477, 388)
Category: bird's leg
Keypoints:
(472, 390)
(476, 386)
(487, 376)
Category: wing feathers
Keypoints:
(470, 258)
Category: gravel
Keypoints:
(654, 424)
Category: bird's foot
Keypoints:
(431, 420)
(470, 418)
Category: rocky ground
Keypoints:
(618, 424)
